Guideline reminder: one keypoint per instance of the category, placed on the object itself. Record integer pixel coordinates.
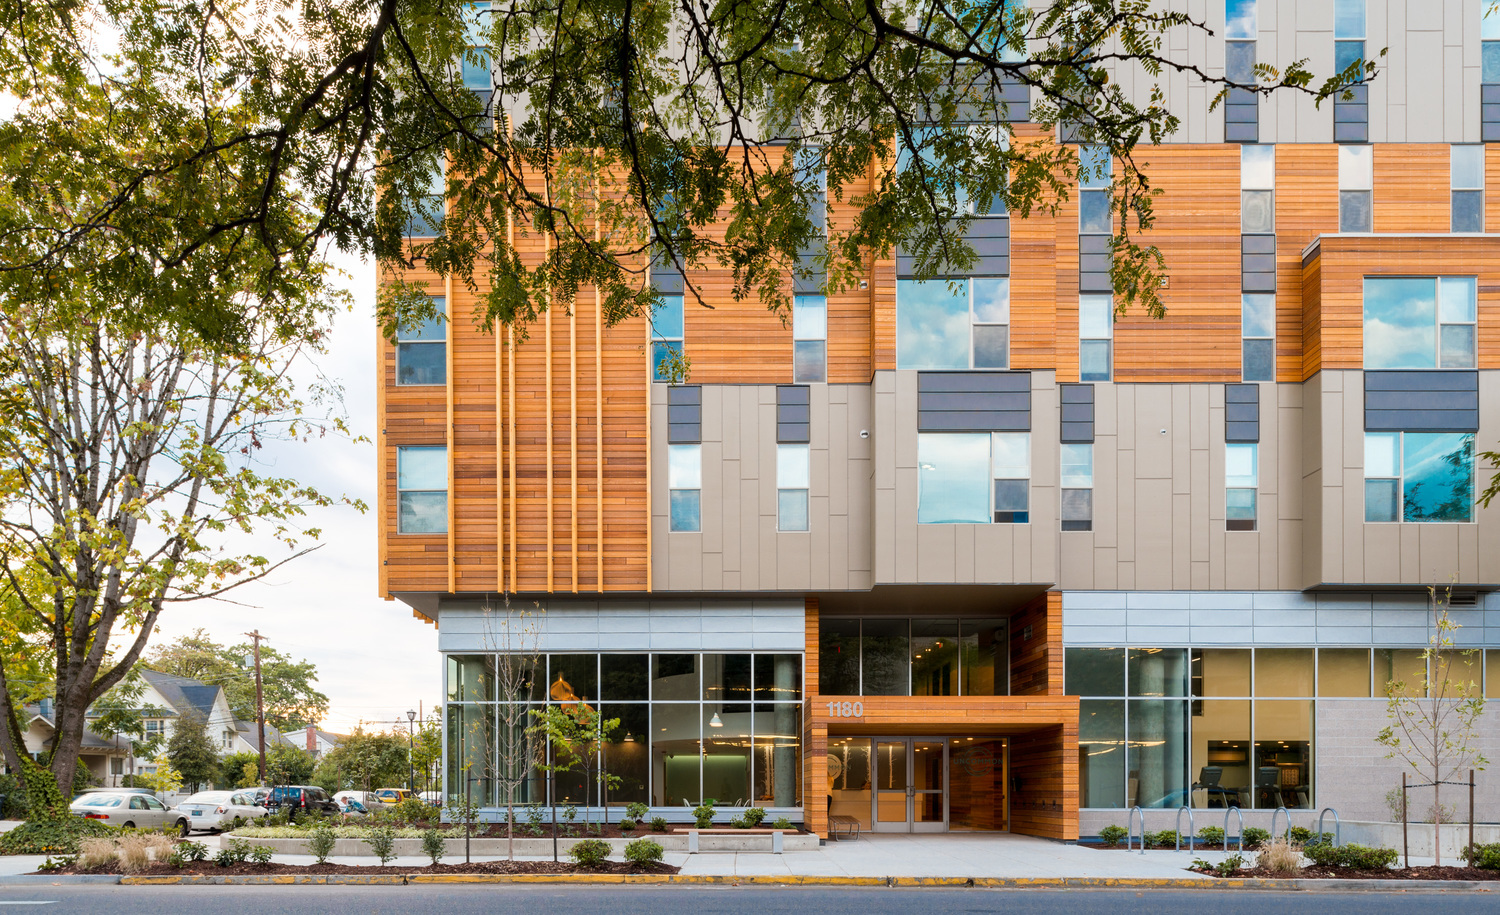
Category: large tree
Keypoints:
(365, 761)
(127, 456)
(291, 700)
(624, 129)
(192, 751)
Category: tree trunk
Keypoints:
(67, 742)
(510, 824)
(1437, 822)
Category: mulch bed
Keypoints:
(1314, 872)
(208, 868)
(610, 831)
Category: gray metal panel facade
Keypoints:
(1241, 413)
(1422, 401)
(1077, 421)
(974, 401)
(684, 414)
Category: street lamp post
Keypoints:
(411, 749)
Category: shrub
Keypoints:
(411, 810)
(52, 837)
(782, 823)
(1211, 835)
(1113, 835)
(192, 851)
(703, 814)
(1300, 835)
(643, 852)
(1226, 868)
(1255, 837)
(534, 818)
(261, 854)
(755, 815)
(236, 852)
(739, 823)
(636, 810)
(658, 824)
(589, 852)
(627, 825)
(1353, 855)
(1280, 857)
(1485, 856)
(95, 852)
(382, 842)
(432, 845)
(1166, 838)
(320, 843)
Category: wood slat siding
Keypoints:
(1412, 187)
(1334, 288)
(1307, 205)
(1491, 187)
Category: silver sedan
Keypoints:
(121, 809)
(215, 811)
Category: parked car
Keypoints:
(351, 806)
(300, 799)
(214, 811)
(391, 796)
(432, 798)
(124, 808)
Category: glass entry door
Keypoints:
(911, 782)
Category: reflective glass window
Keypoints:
(1344, 672)
(953, 478)
(932, 324)
(1094, 671)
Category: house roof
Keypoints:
(91, 741)
(184, 694)
(273, 736)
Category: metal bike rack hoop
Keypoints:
(1241, 836)
(1191, 830)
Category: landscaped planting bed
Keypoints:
(209, 869)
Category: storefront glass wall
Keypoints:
(691, 726)
(913, 657)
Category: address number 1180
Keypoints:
(846, 710)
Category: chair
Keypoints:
(1208, 781)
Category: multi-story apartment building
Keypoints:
(973, 555)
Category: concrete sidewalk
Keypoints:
(951, 855)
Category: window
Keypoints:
(1096, 324)
(809, 338)
(476, 66)
(1356, 188)
(1419, 476)
(953, 480)
(685, 486)
(958, 473)
(1257, 190)
(666, 338)
(1094, 166)
(1348, 33)
(422, 490)
(1419, 322)
(154, 726)
(1489, 34)
(953, 324)
(422, 350)
(1241, 478)
(793, 471)
(1466, 180)
(1239, 19)
(1257, 336)
(1077, 486)
(426, 219)
(913, 657)
(1012, 473)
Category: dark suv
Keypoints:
(296, 799)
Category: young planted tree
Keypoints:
(1434, 723)
(519, 751)
(577, 733)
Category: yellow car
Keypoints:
(391, 796)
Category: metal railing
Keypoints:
(1178, 826)
(1241, 836)
(1336, 830)
(1135, 811)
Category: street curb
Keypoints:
(48, 879)
(1162, 883)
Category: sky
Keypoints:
(374, 659)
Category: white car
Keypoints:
(216, 811)
(127, 809)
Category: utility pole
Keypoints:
(260, 705)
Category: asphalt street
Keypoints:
(421, 900)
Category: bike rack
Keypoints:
(1288, 834)
(1241, 836)
(1130, 826)
(1178, 826)
(1336, 830)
